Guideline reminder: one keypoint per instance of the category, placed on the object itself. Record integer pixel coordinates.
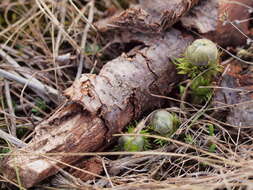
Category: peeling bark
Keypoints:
(211, 18)
(99, 106)
(149, 17)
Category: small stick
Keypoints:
(106, 172)
(84, 39)
(63, 58)
(32, 84)
(12, 62)
(62, 11)
(89, 22)
(11, 110)
(14, 52)
(13, 140)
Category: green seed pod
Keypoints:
(132, 143)
(202, 52)
(164, 123)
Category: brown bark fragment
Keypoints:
(150, 16)
(166, 12)
(203, 17)
(212, 19)
(99, 106)
(236, 90)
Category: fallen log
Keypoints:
(223, 21)
(99, 106)
(148, 17)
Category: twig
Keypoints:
(106, 172)
(93, 67)
(88, 21)
(14, 52)
(9, 59)
(48, 13)
(45, 88)
(84, 38)
(62, 12)
(63, 58)
(66, 179)
(11, 110)
(76, 20)
(19, 107)
(36, 86)
(30, 103)
(19, 25)
(13, 140)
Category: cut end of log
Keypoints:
(29, 173)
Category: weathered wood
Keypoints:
(99, 106)
(223, 21)
(148, 17)
(70, 129)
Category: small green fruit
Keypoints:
(202, 52)
(132, 143)
(164, 123)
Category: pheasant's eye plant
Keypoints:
(200, 63)
(202, 52)
(161, 123)
(133, 143)
(164, 123)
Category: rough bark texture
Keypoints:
(213, 18)
(100, 105)
(149, 17)
(70, 129)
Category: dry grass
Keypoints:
(46, 44)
